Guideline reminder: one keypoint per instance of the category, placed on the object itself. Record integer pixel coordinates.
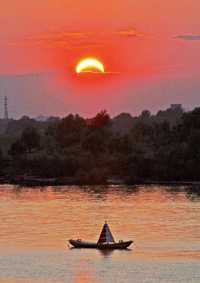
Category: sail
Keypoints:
(106, 235)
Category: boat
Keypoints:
(106, 242)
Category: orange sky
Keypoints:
(149, 40)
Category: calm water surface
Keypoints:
(36, 223)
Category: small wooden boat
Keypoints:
(106, 242)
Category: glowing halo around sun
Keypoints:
(89, 65)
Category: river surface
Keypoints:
(35, 225)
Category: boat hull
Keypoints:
(106, 246)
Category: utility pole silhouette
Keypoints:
(5, 108)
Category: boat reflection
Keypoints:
(106, 253)
(109, 253)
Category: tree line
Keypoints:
(93, 151)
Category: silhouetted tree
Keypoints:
(102, 119)
(70, 130)
(17, 148)
(30, 139)
(145, 116)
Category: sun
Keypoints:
(91, 65)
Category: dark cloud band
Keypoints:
(191, 37)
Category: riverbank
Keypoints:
(34, 181)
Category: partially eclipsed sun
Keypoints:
(89, 65)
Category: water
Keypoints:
(36, 223)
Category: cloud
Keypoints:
(189, 37)
(132, 32)
(75, 39)
(57, 39)
(60, 35)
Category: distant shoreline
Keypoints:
(34, 182)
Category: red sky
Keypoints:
(150, 49)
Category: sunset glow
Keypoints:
(99, 141)
(144, 56)
(89, 65)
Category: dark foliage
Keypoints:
(27, 143)
(89, 151)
